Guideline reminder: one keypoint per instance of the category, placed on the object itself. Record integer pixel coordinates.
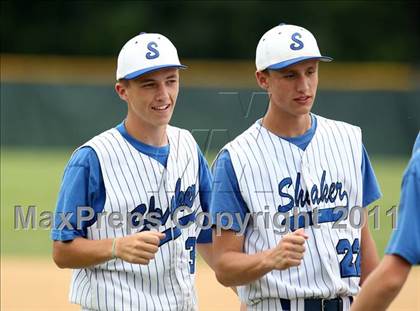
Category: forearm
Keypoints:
(383, 285)
(370, 258)
(235, 268)
(370, 261)
(206, 252)
(376, 296)
(81, 252)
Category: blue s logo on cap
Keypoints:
(297, 45)
(153, 52)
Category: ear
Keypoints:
(121, 89)
(262, 79)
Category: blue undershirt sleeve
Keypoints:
(371, 190)
(405, 240)
(226, 195)
(82, 186)
(206, 181)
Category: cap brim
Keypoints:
(138, 73)
(296, 60)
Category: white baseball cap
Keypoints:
(286, 45)
(144, 53)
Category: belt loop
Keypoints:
(285, 304)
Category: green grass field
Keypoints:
(32, 177)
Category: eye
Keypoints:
(311, 71)
(171, 81)
(288, 76)
(148, 85)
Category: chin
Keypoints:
(305, 109)
(162, 121)
(302, 111)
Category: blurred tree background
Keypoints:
(58, 65)
(347, 30)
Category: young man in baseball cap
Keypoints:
(132, 194)
(308, 174)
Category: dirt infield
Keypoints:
(36, 284)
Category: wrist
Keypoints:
(267, 263)
(114, 251)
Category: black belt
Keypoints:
(318, 304)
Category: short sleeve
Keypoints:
(226, 195)
(206, 181)
(82, 186)
(405, 240)
(371, 190)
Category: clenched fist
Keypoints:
(289, 252)
(138, 248)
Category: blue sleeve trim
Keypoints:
(205, 180)
(205, 236)
(410, 258)
(226, 195)
(371, 190)
(82, 185)
(405, 239)
(235, 226)
(67, 235)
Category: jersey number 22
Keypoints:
(348, 267)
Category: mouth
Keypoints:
(161, 108)
(303, 100)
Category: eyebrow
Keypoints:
(154, 80)
(147, 80)
(171, 76)
(295, 71)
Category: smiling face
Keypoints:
(292, 90)
(151, 97)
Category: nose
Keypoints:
(162, 94)
(303, 84)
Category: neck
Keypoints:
(146, 133)
(285, 124)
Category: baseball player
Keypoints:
(403, 250)
(289, 162)
(125, 217)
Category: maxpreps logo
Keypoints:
(322, 193)
(156, 217)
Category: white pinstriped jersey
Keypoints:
(275, 175)
(136, 182)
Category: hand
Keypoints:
(289, 252)
(138, 248)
